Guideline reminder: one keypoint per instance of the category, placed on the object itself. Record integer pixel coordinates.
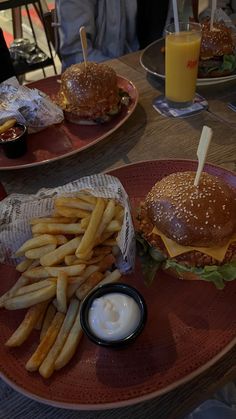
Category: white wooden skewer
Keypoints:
(213, 9)
(84, 44)
(202, 150)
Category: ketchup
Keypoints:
(11, 134)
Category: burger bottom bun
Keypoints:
(75, 119)
(189, 276)
(213, 74)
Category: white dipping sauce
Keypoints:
(114, 316)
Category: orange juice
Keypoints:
(181, 66)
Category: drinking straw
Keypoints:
(202, 150)
(213, 9)
(176, 17)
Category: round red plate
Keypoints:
(190, 326)
(65, 139)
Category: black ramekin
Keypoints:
(105, 290)
(17, 147)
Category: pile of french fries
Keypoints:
(70, 253)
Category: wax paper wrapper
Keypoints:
(28, 106)
(17, 209)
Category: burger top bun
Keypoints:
(202, 215)
(217, 42)
(88, 91)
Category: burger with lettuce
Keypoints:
(189, 231)
(217, 52)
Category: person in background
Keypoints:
(6, 67)
(114, 27)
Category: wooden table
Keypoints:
(148, 135)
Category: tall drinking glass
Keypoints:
(181, 63)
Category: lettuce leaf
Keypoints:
(229, 63)
(151, 259)
(212, 273)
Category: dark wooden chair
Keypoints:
(15, 5)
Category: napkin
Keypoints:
(28, 106)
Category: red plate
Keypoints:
(63, 140)
(190, 326)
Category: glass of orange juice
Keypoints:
(181, 63)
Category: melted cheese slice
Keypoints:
(175, 249)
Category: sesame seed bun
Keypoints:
(190, 215)
(89, 94)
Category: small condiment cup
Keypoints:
(105, 290)
(17, 146)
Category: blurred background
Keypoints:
(31, 21)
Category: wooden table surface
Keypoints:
(148, 135)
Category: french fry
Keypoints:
(49, 315)
(106, 263)
(61, 239)
(33, 287)
(26, 326)
(22, 266)
(39, 323)
(21, 281)
(87, 256)
(76, 279)
(90, 270)
(46, 343)
(114, 226)
(47, 367)
(69, 270)
(88, 239)
(72, 202)
(73, 228)
(115, 250)
(40, 251)
(87, 197)
(102, 250)
(85, 222)
(35, 263)
(110, 278)
(110, 242)
(71, 289)
(36, 242)
(105, 236)
(87, 286)
(7, 125)
(71, 260)
(92, 261)
(50, 220)
(62, 292)
(70, 344)
(57, 255)
(72, 212)
(107, 217)
(119, 213)
(31, 298)
(37, 273)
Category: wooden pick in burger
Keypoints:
(202, 150)
(213, 9)
(84, 44)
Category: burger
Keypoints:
(189, 231)
(217, 51)
(89, 94)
